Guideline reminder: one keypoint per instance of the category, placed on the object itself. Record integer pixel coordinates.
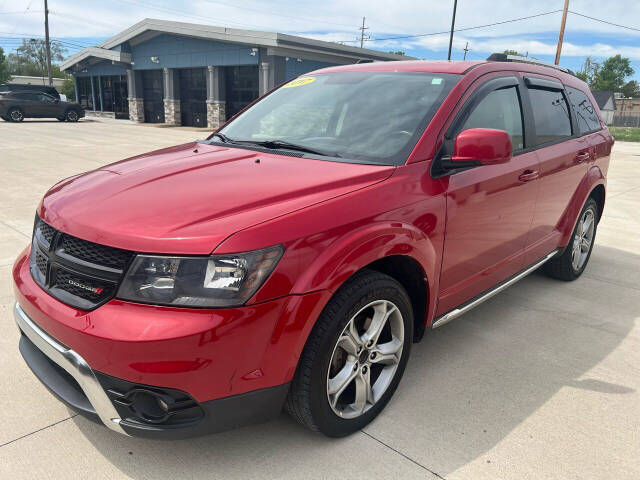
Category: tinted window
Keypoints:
(586, 115)
(501, 110)
(550, 115)
(45, 98)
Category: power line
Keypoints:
(604, 21)
(467, 28)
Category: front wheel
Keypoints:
(355, 356)
(575, 257)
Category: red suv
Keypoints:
(292, 258)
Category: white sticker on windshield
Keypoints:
(436, 81)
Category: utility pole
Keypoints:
(363, 37)
(453, 24)
(47, 42)
(466, 49)
(561, 36)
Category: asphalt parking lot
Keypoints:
(541, 381)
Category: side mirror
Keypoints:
(480, 146)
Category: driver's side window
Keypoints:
(501, 110)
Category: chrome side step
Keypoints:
(447, 317)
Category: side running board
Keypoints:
(447, 317)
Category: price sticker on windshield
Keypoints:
(298, 82)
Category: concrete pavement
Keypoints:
(541, 381)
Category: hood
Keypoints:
(187, 199)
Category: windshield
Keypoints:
(372, 117)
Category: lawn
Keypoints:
(626, 134)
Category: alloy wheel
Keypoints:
(16, 115)
(583, 239)
(365, 359)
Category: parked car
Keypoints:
(14, 87)
(293, 258)
(16, 106)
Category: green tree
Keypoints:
(68, 88)
(514, 52)
(31, 58)
(631, 89)
(612, 74)
(397, 52)
(4, 68)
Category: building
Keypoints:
(607, 103)
(160, 71)
(628, 105)
(43, 81)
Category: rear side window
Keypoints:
(586, 116)
(501, 110)
(550, 115)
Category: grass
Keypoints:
(626, 134)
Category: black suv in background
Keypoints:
(13, 87)
(16, 106)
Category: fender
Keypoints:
(361, 247)
(567, 223)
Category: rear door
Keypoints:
(564, 156)
(489, 208)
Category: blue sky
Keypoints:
(85, 22)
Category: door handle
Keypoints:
(528, 175)
(582, 157)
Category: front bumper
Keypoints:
(109, 400)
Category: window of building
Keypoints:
(550, 114)
(501, 110)
(586, 116)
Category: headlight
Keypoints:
(214, 281)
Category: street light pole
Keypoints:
(47, 42)
(453, 24)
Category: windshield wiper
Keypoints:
(282, 144)
(222, 137)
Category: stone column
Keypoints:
(172, 114)
(75, 88)
(134, 92)
(100, 92)
(216, 98)
(264, 80)
(93, 94)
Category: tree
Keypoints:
(588, 71)
(31, 58)
(397, 52)
(514, 52)
(612, 74)
(4, 68)
(631, 89)
(68, 88)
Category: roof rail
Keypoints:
(503, 57)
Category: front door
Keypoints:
(489, 208)
(153, 93)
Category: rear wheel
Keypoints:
(72, 116)
(354, 357)
(16, 115)
(575, 257)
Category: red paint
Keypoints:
(467, 231)
(485, 146)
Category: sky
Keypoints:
(80, 23)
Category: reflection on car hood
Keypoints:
(187, 199)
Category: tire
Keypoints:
(324, 356)
(71, 116)
(570, 265)
(16, 115)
